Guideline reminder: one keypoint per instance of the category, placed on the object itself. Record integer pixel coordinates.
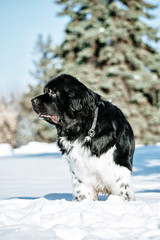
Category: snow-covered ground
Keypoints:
(35, 199)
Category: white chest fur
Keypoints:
(100, 173)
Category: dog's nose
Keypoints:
(34, 101)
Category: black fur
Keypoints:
(73, 106)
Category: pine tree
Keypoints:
(107, 47)
(45, 66)
(30, 128)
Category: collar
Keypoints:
(91, 132)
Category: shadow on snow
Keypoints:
(142, 156)
(59, 196)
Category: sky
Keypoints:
(21, 21)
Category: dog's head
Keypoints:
(65, 101)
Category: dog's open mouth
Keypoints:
(53, 118)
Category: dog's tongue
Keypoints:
(53, 118)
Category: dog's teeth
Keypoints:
(40, 116)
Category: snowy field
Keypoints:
(36, 200)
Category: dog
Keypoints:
(93, 135)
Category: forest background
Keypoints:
(110, 46)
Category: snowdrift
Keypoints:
(36, 200)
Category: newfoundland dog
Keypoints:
(93, 134)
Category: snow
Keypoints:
(36, 200)
(5, 150)
(37, 148)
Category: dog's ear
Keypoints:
(79, 99)
(75, 100)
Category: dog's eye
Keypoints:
(51, 92)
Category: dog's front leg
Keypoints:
(124, 189)
(81, 190)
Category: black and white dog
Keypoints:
(93, 134)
